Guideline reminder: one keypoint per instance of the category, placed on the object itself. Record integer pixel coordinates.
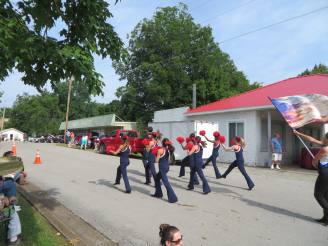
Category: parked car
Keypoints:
(113, 141)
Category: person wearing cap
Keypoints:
(276, 148)
(237, 147)
(124, 151)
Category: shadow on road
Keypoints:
(216, 187)
(276, 210)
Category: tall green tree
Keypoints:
(39, 114)
(165, 56)
(321, 68)
(30, 44)
(81, 105)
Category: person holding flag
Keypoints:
(320, 162)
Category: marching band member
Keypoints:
(239, 162)
(162, 158)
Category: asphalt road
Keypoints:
(279, 211)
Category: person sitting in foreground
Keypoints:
(8, 198)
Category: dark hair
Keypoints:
(168, 146)
(326, 135)
(166, 233)
(8, 153)
(192, 135)
(150, 129)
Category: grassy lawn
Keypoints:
(36, 231)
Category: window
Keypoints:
(236, 129)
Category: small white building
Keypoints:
(12, 134)
(252, 116)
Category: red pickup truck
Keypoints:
(113, 141)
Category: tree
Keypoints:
(166, 55)
(38, 114)
(321, 68)
(26, 43)
(81, 105)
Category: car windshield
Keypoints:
(129, 134)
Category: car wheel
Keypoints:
(102, 149)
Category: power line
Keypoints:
(235, 37)
(273, 24)
(227, 11)
(201, 4)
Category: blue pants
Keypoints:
(152, 169)
(161, 175)
(212, 159)
(8, 188)
(241, 168)
(321, 190)
(121, 171)
(184, 163)
(198, 169)
(145, 156)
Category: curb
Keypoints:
(77, 231)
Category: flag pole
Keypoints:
(302, 141)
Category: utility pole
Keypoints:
(194, 96)
(3, 121)
(70, 81)
(3, 118)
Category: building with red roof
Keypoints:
(259, 98)
(252, 116)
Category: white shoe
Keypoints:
(278, 167)
(272, 167)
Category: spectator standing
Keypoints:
(276, 148)
(84, 142)
(72, 137)
(68, 136)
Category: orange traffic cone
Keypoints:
(13, 149)
(37, 159)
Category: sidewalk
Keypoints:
(75, 230)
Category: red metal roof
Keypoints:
(309, 84)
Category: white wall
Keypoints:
(175, 114)
(18, 136)
(251, 133)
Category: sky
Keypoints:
(266, 56)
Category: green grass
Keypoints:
(36, 231)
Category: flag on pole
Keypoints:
(300, 110)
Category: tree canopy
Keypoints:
(30, 43)
(42, 114)
(165, 56)
(37, 114)
(321, 68)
